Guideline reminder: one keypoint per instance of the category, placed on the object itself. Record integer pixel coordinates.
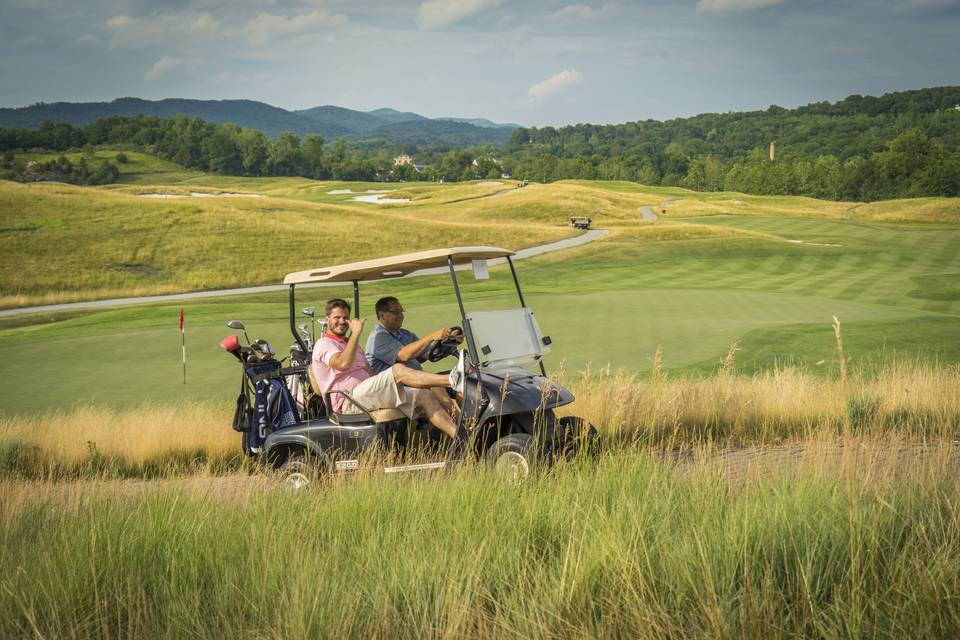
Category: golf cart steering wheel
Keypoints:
(439, 349)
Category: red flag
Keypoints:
(181, 319)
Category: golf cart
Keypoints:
(506, 412)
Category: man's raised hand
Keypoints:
(356, 326)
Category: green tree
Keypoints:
(312, 154)
(254, 152)
(285, 157)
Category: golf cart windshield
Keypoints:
(509, 337)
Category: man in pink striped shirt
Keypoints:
(340, 365)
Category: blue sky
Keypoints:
(533, 63)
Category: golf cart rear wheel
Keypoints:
(512, 457)
(299, 472)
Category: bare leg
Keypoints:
(445, 400)
(417, 379)
(436, 414)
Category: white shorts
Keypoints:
(381, 392)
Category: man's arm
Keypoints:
(415, 349)
(345, 359)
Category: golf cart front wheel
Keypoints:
(298, 472)
(512, 457)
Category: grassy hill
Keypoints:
(767, 273)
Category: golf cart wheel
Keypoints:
(299, 472)
(577, 437)
(512, 457)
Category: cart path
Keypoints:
(647, 210)
(736, 466)
(559, 245)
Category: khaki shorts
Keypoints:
(381, 392)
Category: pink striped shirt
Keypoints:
(328, 378)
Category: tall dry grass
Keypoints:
(148, 440)
(771, 407)
(904, 400)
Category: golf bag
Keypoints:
(273, 406)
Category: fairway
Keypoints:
(690, 285)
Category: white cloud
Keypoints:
(162, 66)
(725, 6)
(119, 22)
(564, 79)
(141, 33)
(437, 14)
(267, 26)
(583, 12)
(204, 22)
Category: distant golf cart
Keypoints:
(507, 411)
(581, 223)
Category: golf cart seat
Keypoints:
(378, 415)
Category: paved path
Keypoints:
(647, 210)
(567, 243)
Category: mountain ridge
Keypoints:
(330, 121)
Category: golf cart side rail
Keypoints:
(395, 266)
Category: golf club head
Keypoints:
(309, 311)
(236, 324)
(264, 347)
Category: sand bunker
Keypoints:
(489, 183)
(339, 192)
(818, 244)
(198, 194)
(379, 199)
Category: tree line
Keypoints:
(228, 149)
(904, 144)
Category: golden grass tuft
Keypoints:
(933, 210)
(771, 407)
(135, 435)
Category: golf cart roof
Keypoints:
(395, 266)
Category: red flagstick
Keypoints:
(183, 346)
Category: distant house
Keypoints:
(476, 161)
(404, 159)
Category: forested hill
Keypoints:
(863, 148)
(328, 121)
(855, 126)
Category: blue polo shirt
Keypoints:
(383, 347)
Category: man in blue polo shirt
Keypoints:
(389, 343)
